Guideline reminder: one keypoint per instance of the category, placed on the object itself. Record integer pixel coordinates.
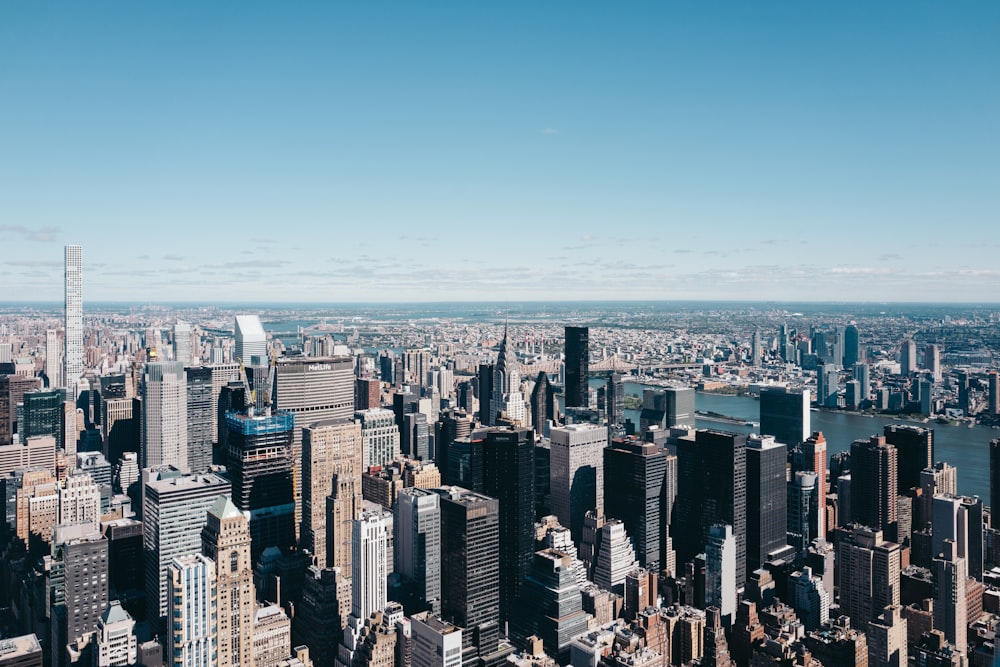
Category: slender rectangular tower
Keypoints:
(577, 362)
(73, 284)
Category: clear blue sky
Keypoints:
(333, 151)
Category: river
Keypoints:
(965, 448)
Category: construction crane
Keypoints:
(251, 394)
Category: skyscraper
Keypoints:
(551, 607)
(809, 598)
(73, 300)
(908, 357)
(470, 567)
(874, 466)
(868, 570)
(226, 540)
(784, 413)
(614, 399)
(887, 645)
(251, 340)
(766, 500)
(802, 504)
(200, 406)
(164, 415)
(369, 568)
(182, 343)
(814, 460)
(668, 407)
(950, 613)
(53, 369)
(260, 465)
(915, 452)
(712, 484)
(315, 389)
(577, 367)
(174, 511)
(484, 381)
(852, 347)
(331, 493)
(542, 403)
(576, 473)
(720, 571)
(79, 585)
(615, 557)
(194, 618)
(827, 385)
(939, 479)
(116, 640)
(932, 361)
(417, 544)
(507, 398)
(995, 475)
(861, 373)
(509, 476)
(635, 493)
(42, 413)
(380, 437)
(12, 391)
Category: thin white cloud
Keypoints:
(41, 235)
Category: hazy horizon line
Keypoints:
(16, 302)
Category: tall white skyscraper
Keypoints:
(251, 340)
(368, 565)
(720, 570)
(193, 613)
(73, 284)
(53, 367)
(182, 342)
(164, 415)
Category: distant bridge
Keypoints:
(613, 364)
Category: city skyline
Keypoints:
(467, 153)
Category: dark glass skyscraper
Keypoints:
(766, 499)
(260, 465)
(635, 493)
(712, 485)
(852, 347)
(614, 399)
(577, 366)
(470, 568)
(915, 447)
(784, 413)
(485, 393)
(43, 415)
(664, 408)
(509, 476)
(543, 404)
(199, 418)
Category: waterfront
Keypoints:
(965, 448)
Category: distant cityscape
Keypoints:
(597, 484)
